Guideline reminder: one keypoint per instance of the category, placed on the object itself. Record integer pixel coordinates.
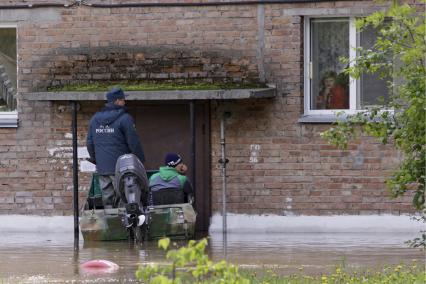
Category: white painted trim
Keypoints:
(36, 224)
(353, 84)
(334, 117)
(324, 118)
(9, 119)
(306, 71)
(243, 223)
(8, 25)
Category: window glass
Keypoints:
(328, 88)
(372, 89)
(329, 42)
(8, 74)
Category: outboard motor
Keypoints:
(131, 183)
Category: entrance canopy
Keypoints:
(231, 94)
(187, 134)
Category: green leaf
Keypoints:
(164, 243)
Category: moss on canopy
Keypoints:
(144, 86)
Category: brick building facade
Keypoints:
(278, 162)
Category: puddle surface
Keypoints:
(51, 258)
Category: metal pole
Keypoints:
(222, 144)
(224, 161)
(75, 171)
(192, 129)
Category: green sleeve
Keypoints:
(182, 180)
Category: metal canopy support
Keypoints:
(223, 161)
(75, 172)
(192, 129)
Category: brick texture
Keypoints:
(277, 165)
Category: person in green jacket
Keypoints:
(171, 177)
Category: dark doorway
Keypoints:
(164, 127)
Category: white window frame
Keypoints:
(9, 119)
(353, 83)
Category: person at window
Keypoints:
(332, 94)
(112, 133)
(171, 176)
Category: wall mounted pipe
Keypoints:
(223, 161)
(75, 171)
(193, 147)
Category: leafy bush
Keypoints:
(190, 264)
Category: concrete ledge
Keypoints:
(36, 224)
(232, 94)
(241, 223)
(329, 118)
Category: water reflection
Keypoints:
(315, 252)
(50, 258)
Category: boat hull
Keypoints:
(176, 221)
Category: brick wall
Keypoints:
(277, 164)
(154, 64)
(36, 162)
(90, 45)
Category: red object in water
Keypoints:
(99, 266)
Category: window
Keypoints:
(327, 88)
(8, 76)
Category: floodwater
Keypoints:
(51, 258)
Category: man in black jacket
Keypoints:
(112, 133)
